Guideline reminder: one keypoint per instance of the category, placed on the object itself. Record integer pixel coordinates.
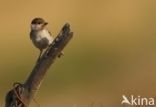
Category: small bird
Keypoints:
(39, 35)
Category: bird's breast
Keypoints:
(41, 39)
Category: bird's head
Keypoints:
(38, 24)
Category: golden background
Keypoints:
(113, 51)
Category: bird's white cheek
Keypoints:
(35, 27)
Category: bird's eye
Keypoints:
(39, 23)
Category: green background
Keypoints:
(113, 51)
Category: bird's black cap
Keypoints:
(38, 21)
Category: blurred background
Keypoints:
(113, 51)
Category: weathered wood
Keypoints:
(22, 94)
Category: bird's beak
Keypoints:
(45, 23)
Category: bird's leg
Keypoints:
(38, 59)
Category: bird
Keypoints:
(40, 35)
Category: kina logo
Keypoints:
(138, 100)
